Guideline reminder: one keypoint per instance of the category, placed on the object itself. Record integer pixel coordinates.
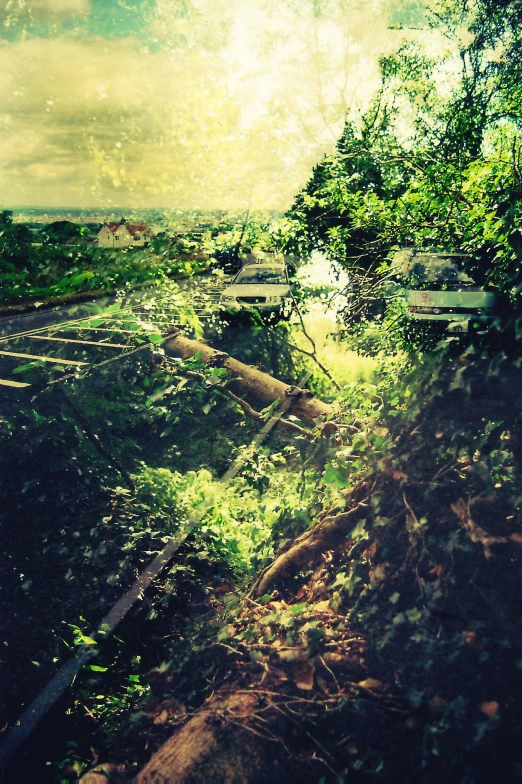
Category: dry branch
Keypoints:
(478, 534)
(251, 412)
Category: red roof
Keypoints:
(137, 228)
(132, 228)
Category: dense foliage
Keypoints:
(97, 515)
(435, 161)
(359, 580)
(51, 267)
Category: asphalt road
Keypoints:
(58, 340)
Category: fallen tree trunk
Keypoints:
(251, 379)
(211, 746)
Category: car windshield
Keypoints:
(436, 269)
(253, 275)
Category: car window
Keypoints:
(253, 275)
(437, 270)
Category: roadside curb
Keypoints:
(87, 296)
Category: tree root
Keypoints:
(231, 738)
(324, 536)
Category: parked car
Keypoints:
(264, 288)
(438, 294)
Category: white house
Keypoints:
(124, 235)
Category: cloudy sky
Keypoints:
(182, 103)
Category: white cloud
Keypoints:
(218, 103)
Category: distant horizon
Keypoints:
(134, 209)
(125, 211)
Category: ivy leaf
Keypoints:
(82, 639)
(335, 476)
(155, 338)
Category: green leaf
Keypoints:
(84, 640)
(298, 608)
(225, 632)
(359, 532)
(414, 615)
(340, 579)
(335, 476)
(27, 366)
(76, 279)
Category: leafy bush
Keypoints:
(29, 271)
(233, 522)
(426, 168)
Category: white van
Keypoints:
(439, 294)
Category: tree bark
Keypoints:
(212, 746)
(250, 379)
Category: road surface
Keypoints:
(42, 346)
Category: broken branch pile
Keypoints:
(385, 640)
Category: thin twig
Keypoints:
(327, 668)
(311, 354)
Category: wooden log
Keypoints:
(251, 379)
(211, 746)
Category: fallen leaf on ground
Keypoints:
(490, 709)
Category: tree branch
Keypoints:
(251, 412)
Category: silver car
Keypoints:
(261, 287)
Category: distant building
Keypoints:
(124, 235)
